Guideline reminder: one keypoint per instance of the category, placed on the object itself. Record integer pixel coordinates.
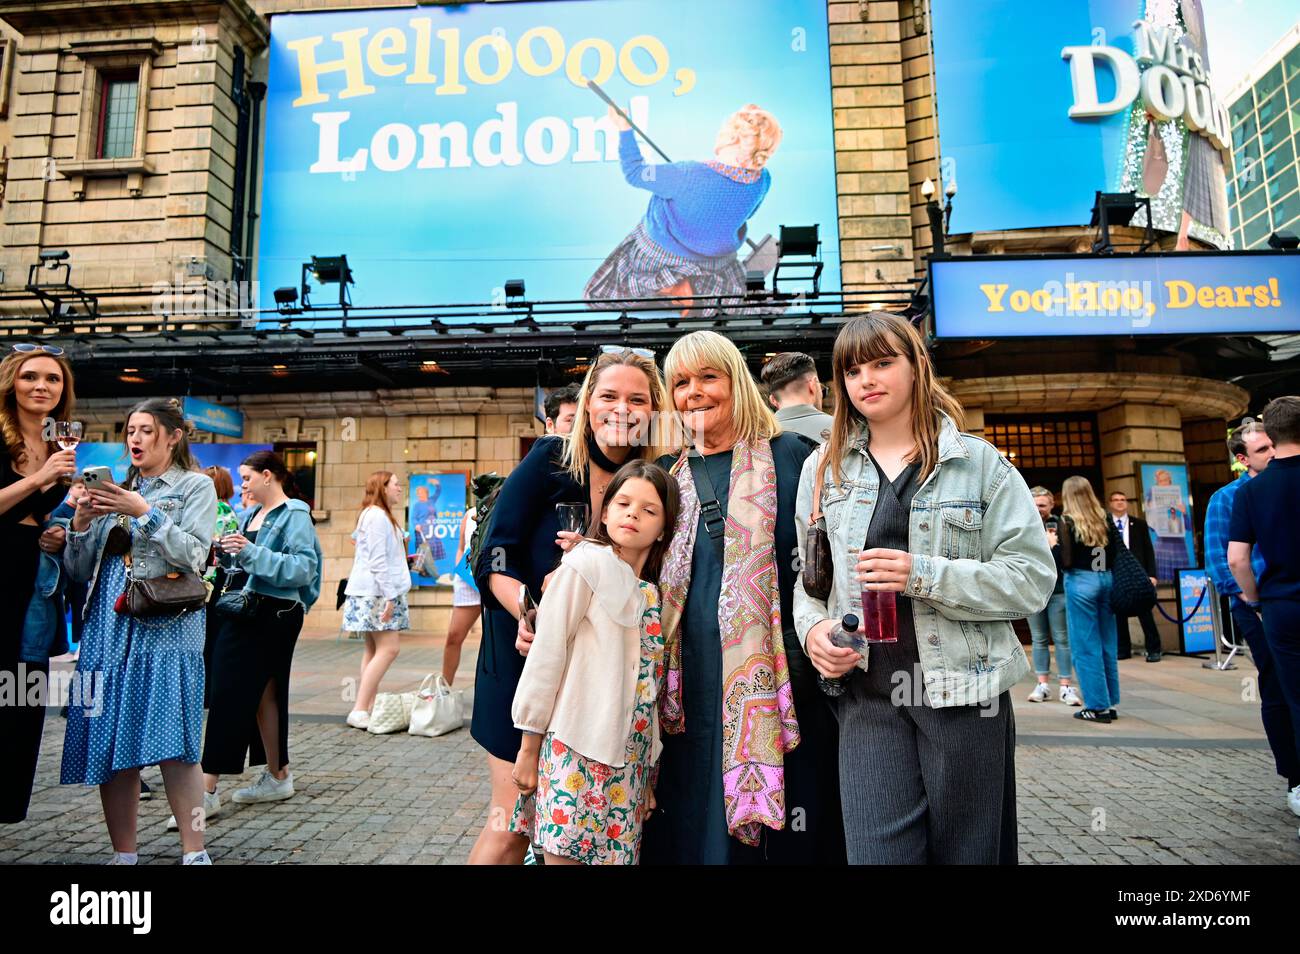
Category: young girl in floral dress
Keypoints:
(586, 701)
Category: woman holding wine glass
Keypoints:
(35, 386)
(936, 546)
(621, 398)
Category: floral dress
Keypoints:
(585, 810)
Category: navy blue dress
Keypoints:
(690, 825)
(520, 544)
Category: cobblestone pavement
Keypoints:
(1104, 796)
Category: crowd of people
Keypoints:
(719, 625)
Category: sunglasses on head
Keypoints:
(30, 348)
(621, 349)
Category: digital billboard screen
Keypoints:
(1039, 109)
(447, 150)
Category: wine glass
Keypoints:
(67, 434)
(572, 516)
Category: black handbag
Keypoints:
(818, 565)
(1131, 591)
(237, 605)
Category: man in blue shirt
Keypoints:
(1265, 515)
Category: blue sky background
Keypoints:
(454, 235)
(1240, 32)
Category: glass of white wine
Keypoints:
(67, 434)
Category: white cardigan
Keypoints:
(580, 678)
(379, 567)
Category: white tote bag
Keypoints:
(391, 712)
(437, 708)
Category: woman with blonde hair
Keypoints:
(1088, 548)
(937, 533)
(377, 588)
(35, 385)
(748, 767)
(686, 243)
(621, 401)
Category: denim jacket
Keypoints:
(979, 560)
(45, 633)
(285, 562)
(174, 536)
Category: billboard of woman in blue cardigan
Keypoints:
(686, 243)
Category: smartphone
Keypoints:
(96, 477)
(527, 608)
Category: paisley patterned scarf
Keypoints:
(758, 717)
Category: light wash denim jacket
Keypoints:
(45, 632)
(285, 562)
(174, 536)
(979, 560)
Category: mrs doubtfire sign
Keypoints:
(446, 150)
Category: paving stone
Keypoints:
(401, 799)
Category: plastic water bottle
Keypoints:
(845, 635)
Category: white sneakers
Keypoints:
(359, 719)
(1293, 800)
(1042, 692)
(267, 788)
(123, 858)
(211, 806)
(196, 858)
(1069, 695)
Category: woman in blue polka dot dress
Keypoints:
(141, 678)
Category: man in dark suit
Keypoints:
(1136, 536)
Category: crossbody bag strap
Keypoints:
(818, 477)
(715, 521)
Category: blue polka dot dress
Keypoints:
(140, 695)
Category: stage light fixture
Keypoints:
(799, 257)
(1118, 208)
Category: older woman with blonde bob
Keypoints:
(685, 245)
(749, 746)
(939, 523)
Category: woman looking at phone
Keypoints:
(274, 580)
(148, 706)
(939, 526)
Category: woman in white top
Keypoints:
(377, 588)
(466, 604)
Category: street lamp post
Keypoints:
(940, 215)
